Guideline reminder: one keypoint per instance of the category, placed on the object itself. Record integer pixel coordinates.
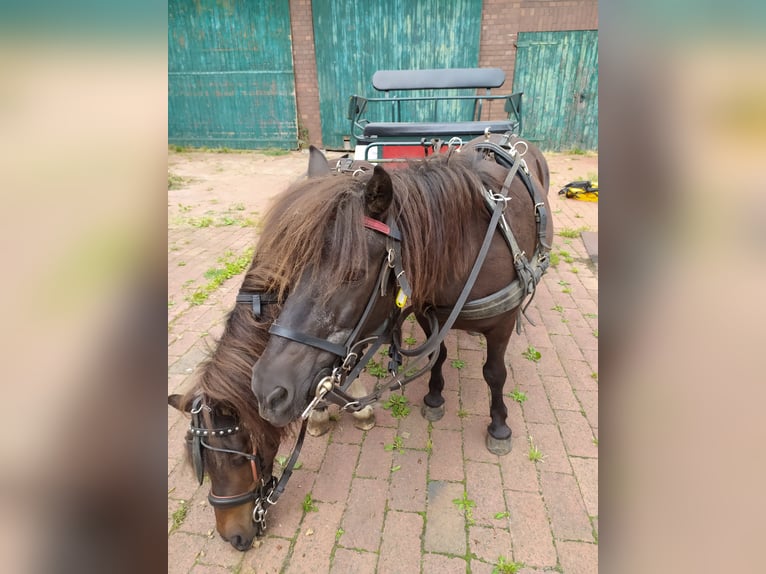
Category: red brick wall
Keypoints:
(304, 62)
(501, 22)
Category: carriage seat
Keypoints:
(426, 129)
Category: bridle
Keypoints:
(265, 492)
(348, 364)
(349, 358)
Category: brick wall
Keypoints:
(501, 22)
(304, 62)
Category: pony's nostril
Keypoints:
(277, 396)
(240, 543)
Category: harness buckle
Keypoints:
(324, 387)
(351, 405)
(391, 258)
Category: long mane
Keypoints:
(226, 374)
(318, 225)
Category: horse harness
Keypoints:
(265, 493)
(349, 364)
(333, 387)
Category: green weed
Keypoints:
(517, 395)
(504, 566)
(457, 363)
(398, 444)
(465, 505)
(502, 515)
(274, 152)
(535, 454)
(462, 413)
(397, 404)
(554, 258)
(308, 504)
(410, 341)
(531, 354)
(216, 276)
(180, 514)
(572, 233)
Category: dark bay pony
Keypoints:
(327, 250)
(222, 400)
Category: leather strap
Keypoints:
(311, 341)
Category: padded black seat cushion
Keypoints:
(425, 129)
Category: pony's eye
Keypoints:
(354, 276)
(239, 460)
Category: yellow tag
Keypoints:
(401, 299)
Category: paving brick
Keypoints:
(473, 364)
(560, 395)
(344, 431)
(414, 430)
(530, 531)
(474, 439)
(585, 338)
(268, 557)
(363, 520)
(312, 452)
(445, 523)
(586, 473)
(374, 460)
(450, 420)
(471, 342)
(548, 441)
(315, 541)
(577, 434)
(334, 479)
(438, 564)
(567, 347)
(210, 569)
(569, 518)
(485, 487)
(285, 518)
(408, 484)
(446, 458)
(589, 402)
(224, 555)
(474, 396)
(353, 562)
(400, 549)
(536, 408)
(489, 543)
(550, 364)
(578, 557)
(518, 472)
(183, 549)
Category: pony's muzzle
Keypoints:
(276, 406)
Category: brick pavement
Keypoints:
(393, 511)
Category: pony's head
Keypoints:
(329, 249)
(219, 445)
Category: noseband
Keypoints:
(266, 492)
(261, 492)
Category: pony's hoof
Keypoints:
(432, 413)
(364, 419)
(319, 423)
(498, 446)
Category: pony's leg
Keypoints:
(364, 419)
(494, 370)
(433, 402)
(319, 421)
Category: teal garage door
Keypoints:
(354, 39)
(230, 74)
(558, 73)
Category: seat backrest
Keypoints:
(448, 78)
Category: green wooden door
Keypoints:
(354, 39)
(230, 74)
(558, 73)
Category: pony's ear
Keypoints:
(379, 192)
(175, 402)
(318, 165)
